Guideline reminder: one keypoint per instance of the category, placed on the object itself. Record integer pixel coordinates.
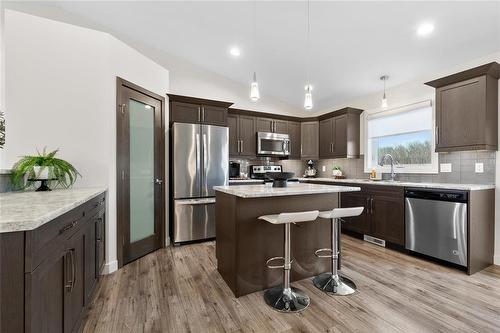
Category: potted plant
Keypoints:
(336, 171)
(44, 167)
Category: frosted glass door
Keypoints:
(142, 171)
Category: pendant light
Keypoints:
(384, 98)
(308, 102)
(254, 86)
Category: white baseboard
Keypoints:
(110, 267)
(496, 259)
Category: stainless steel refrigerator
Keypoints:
(200, 161)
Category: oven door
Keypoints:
(273, 144)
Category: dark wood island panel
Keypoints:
(244, 243)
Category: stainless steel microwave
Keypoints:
(274, 144)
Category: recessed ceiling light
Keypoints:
(235, 51)
(425, 28)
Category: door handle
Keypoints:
(371, 206)
(199, 114)
(203, 114)
(73, 270)
(158, 181)
(241, 146)
(437, 134)
(367, 204)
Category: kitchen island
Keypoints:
(244, 243)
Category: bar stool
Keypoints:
(285, 298)
(333, 282)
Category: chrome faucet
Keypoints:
(382, 160)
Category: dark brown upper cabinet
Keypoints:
(309, 140)
(339, 134)
(242, 140)
(294, 133)
(272, 125)
(185, 109)
(467, 109)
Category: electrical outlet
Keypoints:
(323, 168)
(445, 167)
(479, 168)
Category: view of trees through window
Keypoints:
(407, 148)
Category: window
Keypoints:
(407, 134)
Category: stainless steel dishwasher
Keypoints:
(436, 223)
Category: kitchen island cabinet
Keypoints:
(244, 242)
(51, 257)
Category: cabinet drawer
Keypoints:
(45, 239)
(95, 205)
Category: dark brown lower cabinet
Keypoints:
(388, 216)
(45, 294)
(62, 262)
(360, 223)
(383, 216)
(75, 282)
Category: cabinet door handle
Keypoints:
(199, 113)
(73, 269)
(371, 206)
(241, 146)
(67, 284)
(437, 134)
(367, 204)
(203, 114)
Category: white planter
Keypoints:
(43, 172)
(336, 173)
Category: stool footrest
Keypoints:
(318, 254)
(275, 266)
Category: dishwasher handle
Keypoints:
(437, 194)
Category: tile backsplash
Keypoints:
(462, 166)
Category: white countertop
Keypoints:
(246, 181)
(261, 191)
(22, 211)
(449, 186)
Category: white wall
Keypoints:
(416, 91)
(61, 93)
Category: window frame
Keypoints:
(432, 168)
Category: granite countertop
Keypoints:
(22, 211)
(261, 191)
(449, 186)
(246, 181)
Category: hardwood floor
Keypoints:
(180, 290)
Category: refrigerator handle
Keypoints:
(205, 150)
(198, 152)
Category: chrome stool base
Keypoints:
(337, 285)
(286, 300)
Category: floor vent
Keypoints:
(373, 240)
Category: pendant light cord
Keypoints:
(308, 42)
(255, 36)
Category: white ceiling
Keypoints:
(352, 43)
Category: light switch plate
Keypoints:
(479, 168)
(445, 167)
(323, 168)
